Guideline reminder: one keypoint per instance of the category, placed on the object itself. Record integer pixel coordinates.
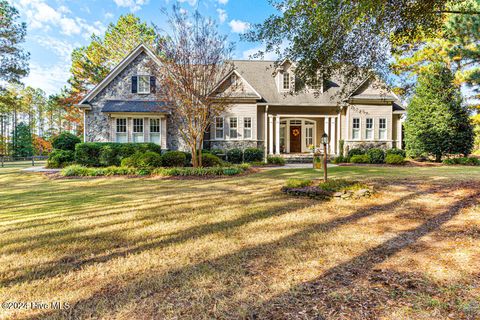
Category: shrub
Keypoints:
(60, 158)
(376, 155)
(355, 152)
(235, 156)
(360, 158)
(466, 161)
(396, 151)
(253, 154)
(65, 141)
(96, 154)
(109, 156)
(394, 159)
(149, 159)
(298, 183)
(341, 146)
(210, 160)
(88, 154)
(258, 163)
(131, 161)
(339, 159)
(212, 171)
(173, 159)
(276, 160)
(188, 158)
(335, 185)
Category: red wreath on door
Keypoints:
(295, 132)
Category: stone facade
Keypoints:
(232, 144)
(97, 122)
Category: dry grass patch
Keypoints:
(237, 248)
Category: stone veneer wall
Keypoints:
(232, 144)
(98, 123)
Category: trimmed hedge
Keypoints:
(276, 160)
(396, 151)
(376, 155)
(174, 159)
(145, 160)
(235, 156)
(360, 158)
(98, 154)
(60, 158)
(466, 161)
(65, 141)
(394, 159)
(355, 152)
(210, 160)
(82, 171)
(253, 154)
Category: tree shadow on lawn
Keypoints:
(116, 246)
(112, 298)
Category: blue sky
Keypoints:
(56, 27)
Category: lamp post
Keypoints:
(325, 142)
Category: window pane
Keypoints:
(247, 128)
(144, 84)
(356, 123)
(286, 80)
(383, 123)
(155, 138)
(138, 125)
(121, 138)
(138, 137)
(121, 125)
(233, 128)
(154, 125)
(369, 123)
(219, 128)
(356, 134)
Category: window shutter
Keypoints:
(134, 84)
(153, 84)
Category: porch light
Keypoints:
(325, 139)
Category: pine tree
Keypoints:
(22, 137)
(437, 122)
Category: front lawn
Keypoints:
(199, 249)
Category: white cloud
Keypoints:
(63, 49)
(239, 26)
(42, 16)
(190, 2)
(223, 1)
(48, 78)
(109, 15)
(222, 15)
(133, 5)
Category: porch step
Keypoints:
(298, 157)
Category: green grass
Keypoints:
(237, 247)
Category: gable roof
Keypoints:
(119, 68)
(253, 94)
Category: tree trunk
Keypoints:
(438, 158)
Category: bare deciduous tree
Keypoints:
(195, 57)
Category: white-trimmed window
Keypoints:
(382, 129)
(356, 129)
(121, 130)
(247, 128)
(219, 126)
(233, 129)
(138, 130)
(155, 131)
(286, 81)
(144, 84)
(369, 129)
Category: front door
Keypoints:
(295, 139)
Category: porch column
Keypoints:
(399, 132)
(327, 131)
(277, 135)
(333, 139)
(270, 134)
(339, 132)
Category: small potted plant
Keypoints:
(311, 148)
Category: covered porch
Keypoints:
(295, 134)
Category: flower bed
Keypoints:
(81, 171)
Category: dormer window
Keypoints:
(286, 81)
